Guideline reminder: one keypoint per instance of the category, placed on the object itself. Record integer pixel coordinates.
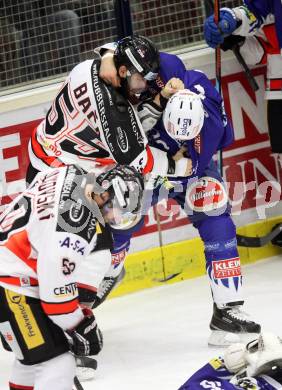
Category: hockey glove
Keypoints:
(86, 338)
(214, 34)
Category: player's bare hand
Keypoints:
(108, 70)
(179, 154)
(189, 167)
(173, 85)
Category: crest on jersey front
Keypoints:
(206, 194)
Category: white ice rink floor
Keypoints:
(155, 339)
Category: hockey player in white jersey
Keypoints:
(55, 249)
(91, 122)
(257, 27)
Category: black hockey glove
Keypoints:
(231, 41)
(87, 339)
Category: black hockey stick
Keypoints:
(86, 362)
(218, 76)
(248, 73)
(77, 384)
(166, 277)
(256, 242)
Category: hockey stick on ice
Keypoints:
(256, 242)
(77, 384)
(86, 362)
(171, 276)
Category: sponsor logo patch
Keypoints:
(122, 140)
(25, 319)
(206, 194)
(75, 245)
(25, 281)
(118, 258)
(226, 268)
(216, 363)
(68, 290)
(76, 211)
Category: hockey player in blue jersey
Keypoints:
(194, 120)
(202, 195)
(254, 366)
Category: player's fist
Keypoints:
(180, 153)
(173, 85)
(214, 34)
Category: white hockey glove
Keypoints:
(86, 339)
(235, 357)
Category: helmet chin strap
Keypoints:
(124, 87)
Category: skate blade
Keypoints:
(220, 338)
(85, 374)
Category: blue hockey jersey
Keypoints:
(217, 131)
(214, 375)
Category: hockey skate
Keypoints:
(229, 324)
(85, 368)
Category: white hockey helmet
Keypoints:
(183, 117)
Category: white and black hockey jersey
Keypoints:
(262, 47)
(90, 123)
(51, 243)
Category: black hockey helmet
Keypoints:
(125, 186)
(138, 54)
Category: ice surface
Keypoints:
(155, 339)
